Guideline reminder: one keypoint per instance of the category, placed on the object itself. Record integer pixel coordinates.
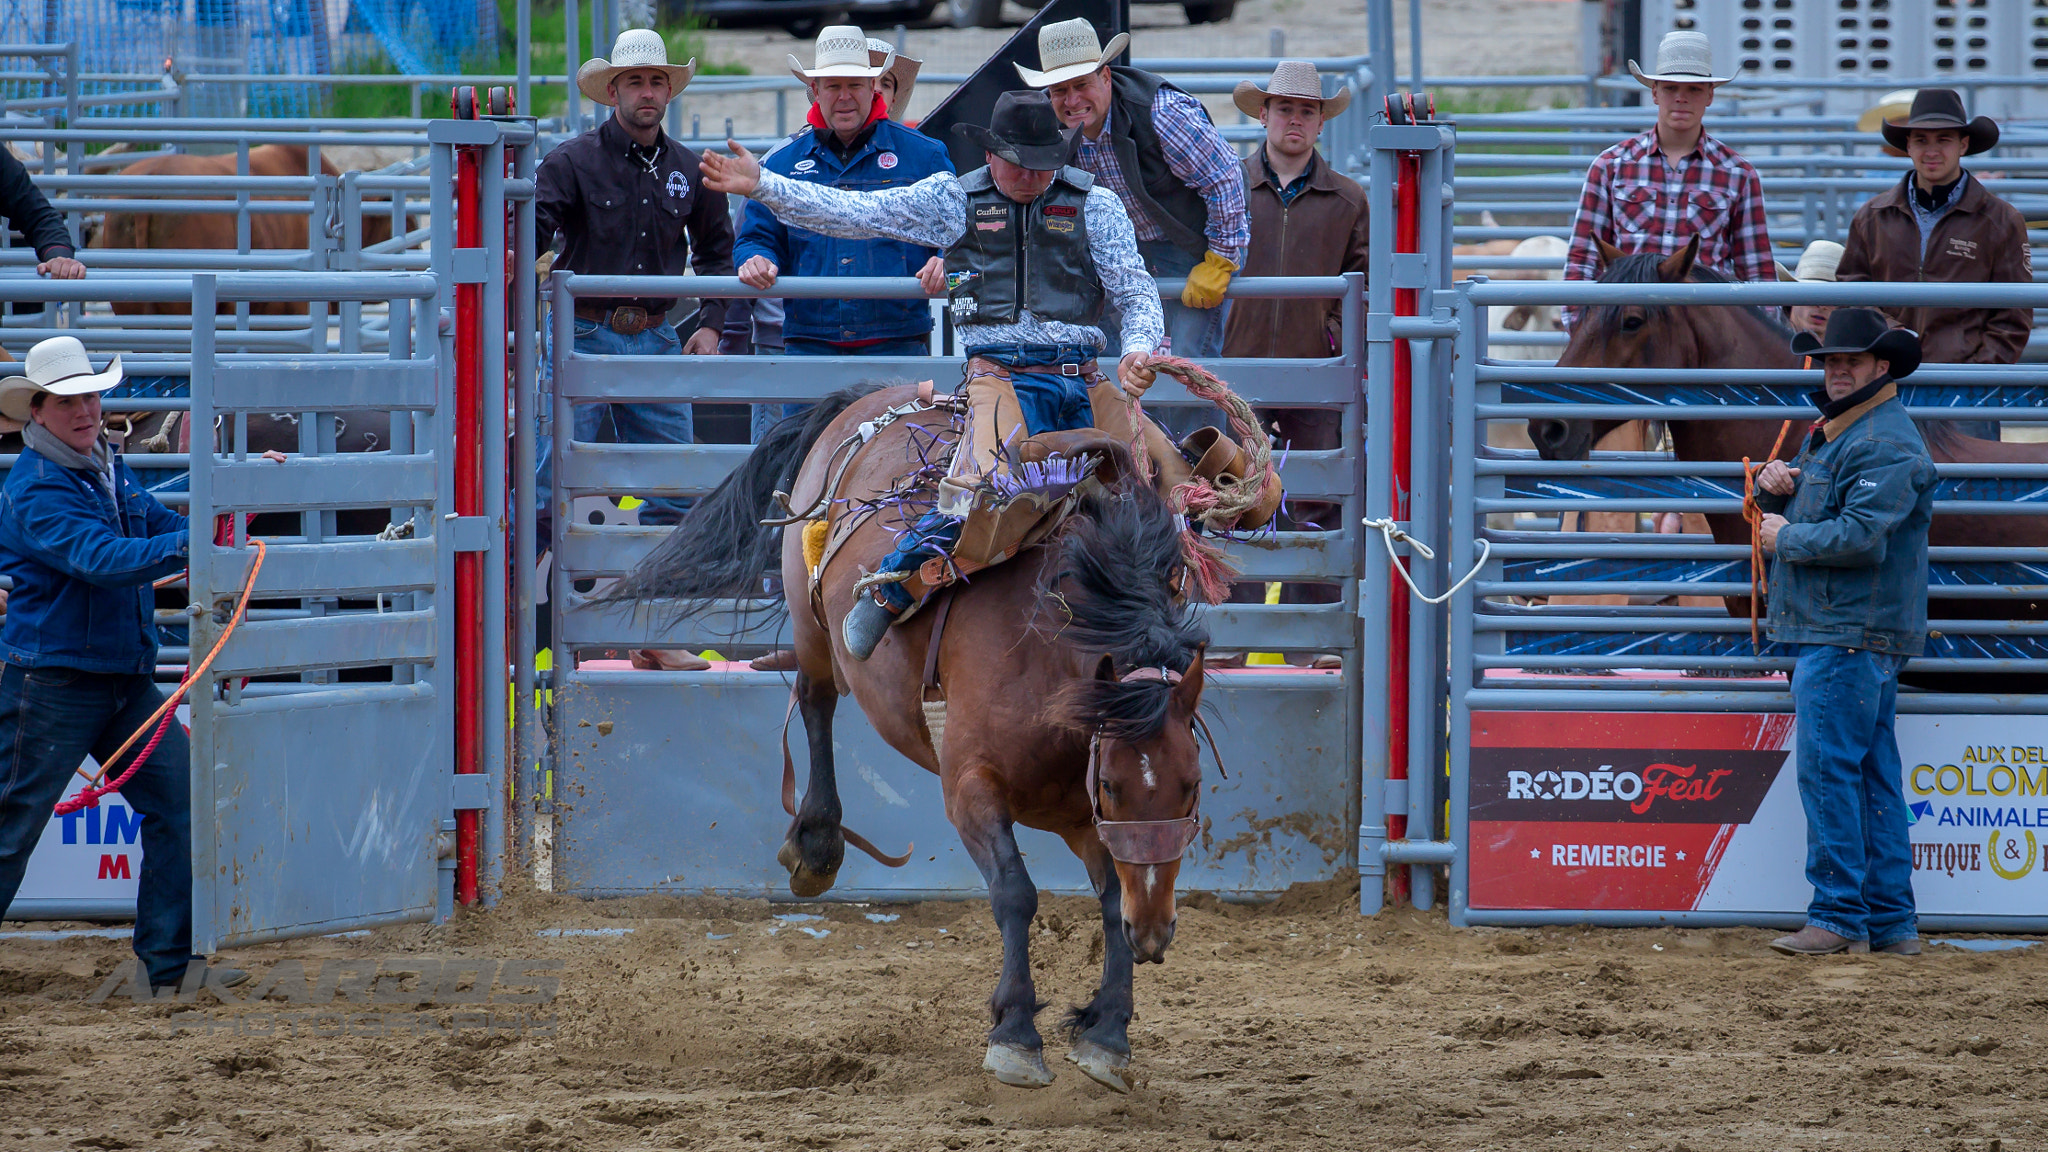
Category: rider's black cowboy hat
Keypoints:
(1024, 131)
(1942, 108)
(1853, 330)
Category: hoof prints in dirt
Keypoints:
(817, 1070)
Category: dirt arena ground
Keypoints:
(711, 1024)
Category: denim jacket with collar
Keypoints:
(82, 566)
(1850, 567)
(893, 157)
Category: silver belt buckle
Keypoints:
(1070, 369)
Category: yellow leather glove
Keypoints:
(1207, 282)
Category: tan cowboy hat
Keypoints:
(1295, 78)
(883, 55)
(59, 367)
(842, 50)
(1069, 50)
(635, 48)
(1682, 58)
(1819, 261)
(1890, 106)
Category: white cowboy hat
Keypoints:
(635, 48)
(1069, 50)
(842, 50)
(1682, 58)
(1296, 78)
(57, 366)
(883, 55)
(1819, 261)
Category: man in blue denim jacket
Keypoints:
(1846, 523)
(82, 541)
(852, 143)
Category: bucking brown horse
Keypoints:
(1722, 336)
(1071, 676)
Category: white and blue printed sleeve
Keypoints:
(1114, 245)
(931, 212)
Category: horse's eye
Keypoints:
(1631, 322)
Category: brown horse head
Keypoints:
(1655, 336)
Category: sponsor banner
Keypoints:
(93, 854)
(1680, 811)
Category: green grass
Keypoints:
(375, 101)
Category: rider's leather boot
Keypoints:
(865, 626)
(1116, 415)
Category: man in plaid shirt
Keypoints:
(1656, 191)
(1154, 146)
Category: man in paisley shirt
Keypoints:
(1035, 253)
(1656, 191)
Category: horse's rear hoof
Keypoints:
(803, 882)
(1018, 1067)
(1102, 1066)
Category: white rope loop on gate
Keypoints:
(1392, 533)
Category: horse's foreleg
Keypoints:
(815, 847)
(1015, 1051)
(1100, 1031)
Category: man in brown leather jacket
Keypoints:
(1941, 225)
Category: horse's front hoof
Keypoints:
(803, 882)
(1018, 1067)
(1102, 1066)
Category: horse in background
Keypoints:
(1071, 673)
(1729, 336)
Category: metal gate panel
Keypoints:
(319, 794)
(670, 782)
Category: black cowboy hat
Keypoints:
(1853, 330)
(1941, 108)
(1024, 131)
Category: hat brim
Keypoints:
(1647, 79)
(1898, 347)
(1062, 74)
(595, 78)
(905, 69)
(1251, 100)
(1982, 131)
(17, 391)
(1035, 157)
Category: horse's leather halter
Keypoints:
(1143, 841)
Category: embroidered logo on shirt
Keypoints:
(1061, 210)
(678, 184)
(1866, 483)
(991, 210)
(1967, 249)
(804, 166)
(1059, 225)
(886, 160)
(991, 225)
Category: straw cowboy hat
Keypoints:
(842, 50)
(1890, 106)
(1941, 108)
(1069, 50)
(1819, 261)
(59, 367)
(1023, 130)
(1853, 330)
(1296, 78)
(1682, 58)
(635, 48)
(883, 55)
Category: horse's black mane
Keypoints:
(1641, 268)
(1111, 593)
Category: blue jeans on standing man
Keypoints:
(1195, 333)
(629, 423)
(765, 416)
(1851, 783)
(51, 718)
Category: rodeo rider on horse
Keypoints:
(1034, 249)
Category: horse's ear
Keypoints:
(1187, 694)
(1608, 252)
(1105, 669)
(1673, 269)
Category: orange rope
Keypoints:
(90, 796)
(1758, 584)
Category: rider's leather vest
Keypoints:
(1016, 257)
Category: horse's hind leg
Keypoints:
(1100, 1031)
(1016, 1054)
(815, 847)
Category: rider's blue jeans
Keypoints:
(1851, 784)
(50, 720)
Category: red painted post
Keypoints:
(469, 501)
(1407, 238)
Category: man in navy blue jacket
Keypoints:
(852, 144)
(83, 541)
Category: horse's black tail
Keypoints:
(721, 548)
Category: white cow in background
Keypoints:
(1528, 317)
